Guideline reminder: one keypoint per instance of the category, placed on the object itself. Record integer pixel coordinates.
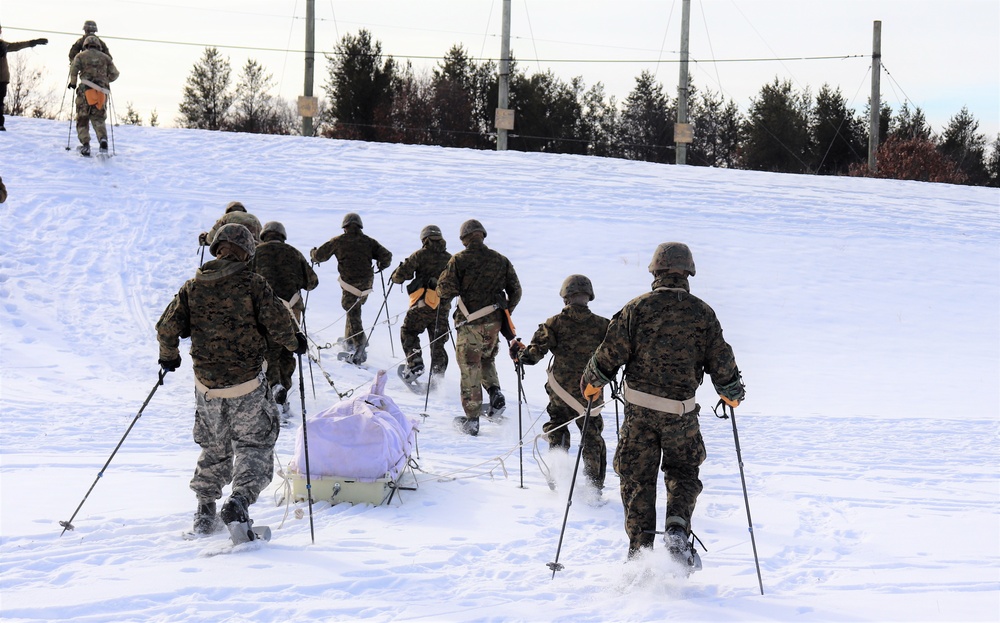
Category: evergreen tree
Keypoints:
(131, 116)
(836, 134)
(776, 131)
(963, 144)
(154, 119)
(548, 114)
(454, 101)
(255, 109)
(411, 111)
(646, 128)
(910, 124)
(993, 164)
(207, 97)
(359, 86)
(599, 122)
(717, 131)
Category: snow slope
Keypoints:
(865, 315)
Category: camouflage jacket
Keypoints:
(243, 218)
(354, 252)
(423, 266)
(77, 47)
(571, 336)
(284, 267)
(95, 66)
(10, 46)
(482, 277)
(666, 339)
(229, 312)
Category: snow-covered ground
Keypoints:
(865, 315)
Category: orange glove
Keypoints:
(591, 393)
(731, 402)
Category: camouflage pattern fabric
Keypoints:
(223, 310)
(354, 252)
(242, 218)
(11, 46)
(98, 68)
(480, 276)
(651, 441)
(476, 347)
(237, 437)
(571, 336)
(77, 47)
(423, 267)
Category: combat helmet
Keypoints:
(91, 42)
(275, 229)
(352, 218)
(469, 227)
(236, 234)
(432, 232)
(235, 206)
(90, 27)
(673, 257)
(577, 284)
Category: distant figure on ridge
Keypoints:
(95, 72)
(89, 30)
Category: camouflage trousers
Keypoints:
(354, 330)
(595, 451)
(435, 322)
(476, 347)
(651, 441)
(280, 366)
(87, 115)
(237, 437)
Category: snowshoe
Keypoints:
(681, 549)
(409, 379)
(85, 150)
(468, 426)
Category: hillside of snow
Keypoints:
(864, 314)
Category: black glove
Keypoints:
(303, 345)
(170, 364)
(203, 238)
(515, 349)
(35, 42)
(71, 86)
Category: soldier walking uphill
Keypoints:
(354, 252)
(89, 29)
(487, 285)
(235, 212)
(5, 47)
(95, 71)
(230, 313)
(666, 339)
(571, 336)
(427, 312)
(287, 272)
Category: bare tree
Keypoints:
(26, 95)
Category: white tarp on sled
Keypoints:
(358, 448)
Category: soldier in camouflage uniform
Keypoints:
(89, 29)
(354, 252)
(235, 212)
(571, 336)
(5, 47)
(486, 283)
(96, 68)
(287, 272)
(666, 339)
(230, 313)
(427, 312)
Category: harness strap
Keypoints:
(95, 86)
(234, 391)
(657, 403)
(479, 313)
(356, 292)
(566, 397)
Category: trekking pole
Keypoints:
(201, 261)
(305, 306)
(114, 115)
(69, 131)
(68, 525)
(614, 397)
(746, 498)
(305, 449)
(519, 371)
(430, 376)
(388, 318)
(555, 566)
(368, 336)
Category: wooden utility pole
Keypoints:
(504, 117)
(683, 132)
(307, 103)
(874, 116)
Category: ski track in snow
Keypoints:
(865, 315)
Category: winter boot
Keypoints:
(280, 393)
(104, 145)
(497, 403)
(85, 149)
(205, 519)
(236, 509)
(469, 426)
(679, 545)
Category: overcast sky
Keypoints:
(937, 55)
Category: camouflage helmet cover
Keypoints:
(432, 232)
(90, 27)
(673, 257)
(274, 228)
(91, 42)
(471, 226)
(352, 218)
(577, 284)
(236, 234)
(235, 206)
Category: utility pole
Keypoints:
(504, 120)
(874, 116)
(683, 132)
(308, 105)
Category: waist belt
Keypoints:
(92, 85)
(479, 313)
(657, 403)
(234, 391)
(571, 401)
(356, 292)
